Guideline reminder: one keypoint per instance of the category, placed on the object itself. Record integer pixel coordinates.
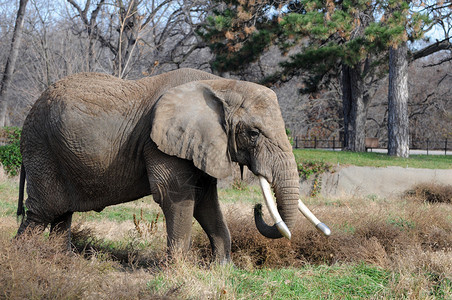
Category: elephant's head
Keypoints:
(217, 122)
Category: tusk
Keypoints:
(271, 205)
(310, 216)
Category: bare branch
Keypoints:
(433, 48)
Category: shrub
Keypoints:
(308, 168)
(289, 135)
(432, 193)
(10, 156)
(239, 185)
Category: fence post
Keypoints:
(296, 142)
(445, 147)
(334, 143)
(315, 142)
(427, 145)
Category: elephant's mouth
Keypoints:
(279, 223)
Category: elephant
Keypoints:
(92, 140)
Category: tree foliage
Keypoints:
(327, 33)
(59, 40)
(10, 156)
(239, 32)
(324, 38)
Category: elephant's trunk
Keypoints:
(284, 212)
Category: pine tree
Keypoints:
(239, 32)
(350, 37)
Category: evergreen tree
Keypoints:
(351, 36)
(238, 32)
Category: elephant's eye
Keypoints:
(254, 134)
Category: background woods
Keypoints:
(328, 61)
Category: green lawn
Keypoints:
(341, 281)
(124, 211)
(373, 159)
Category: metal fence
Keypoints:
(337, 144)
(315, 143)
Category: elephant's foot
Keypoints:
(30, 224)
(225, 261)
(221, 250)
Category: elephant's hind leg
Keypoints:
(208, 214)
(31, 223)
(62, 225)
(45, 203)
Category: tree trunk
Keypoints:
(11, 62)
(355, 105)
(397, 102)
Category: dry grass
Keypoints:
(36, 267)
(410, 237)
(33, 267)
(374, 231)
(432, 193)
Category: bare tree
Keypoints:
(11, 62)
(51, 51)
(429, 102)
(130, 30)
(430, 106)
(57, 42)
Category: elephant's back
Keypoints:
(92, 94)
(84, 120)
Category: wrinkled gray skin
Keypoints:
(93, 140)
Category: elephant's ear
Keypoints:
(188, 122)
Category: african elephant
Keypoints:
(92, 140)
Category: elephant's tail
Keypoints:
(20, 204)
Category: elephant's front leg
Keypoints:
(209, 215)
(173, 185)
(179, 218)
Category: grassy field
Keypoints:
(373, 159)
(380, 248)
